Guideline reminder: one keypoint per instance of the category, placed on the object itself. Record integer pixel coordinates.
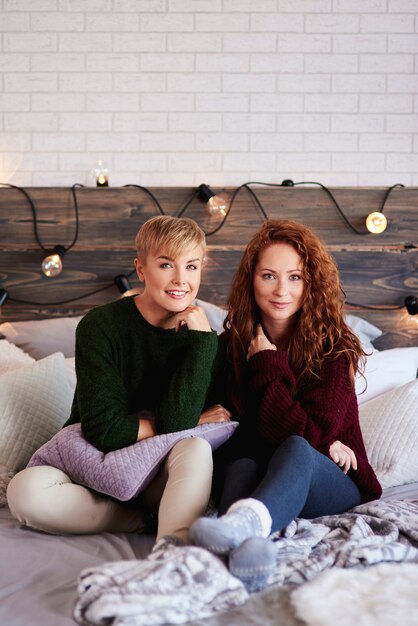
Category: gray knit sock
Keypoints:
(253, 562)
(245, 518)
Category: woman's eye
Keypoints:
(268, 276)
(192, 267)
(295, 277)
(165, 266)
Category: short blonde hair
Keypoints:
(172, 234)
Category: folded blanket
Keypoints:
(185, 584)
(124, 473)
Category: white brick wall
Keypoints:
(179, 92)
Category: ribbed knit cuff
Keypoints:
(266, 366)
(259, 508)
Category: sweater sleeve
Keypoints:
(101, 397)
(183, 395)
(317, 413)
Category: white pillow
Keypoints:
(214, 313)
(39, 338)
(386, 370)
(365, 331)
(35, 401)
(12, 357)
(70, 366)
(389, 424)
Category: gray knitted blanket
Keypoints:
(370, 533)
(186, 583)
(182, 584)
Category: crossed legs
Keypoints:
(44, 498)
(299, 482)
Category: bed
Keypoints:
(370, 553)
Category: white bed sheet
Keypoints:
(39, 572)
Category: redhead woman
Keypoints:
(287, 368)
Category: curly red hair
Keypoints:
(320, 332)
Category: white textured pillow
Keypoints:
(389, 424)
(12, 357)
(43, 337)
(214, 313)
(70, 365)
(35, 401)
(364, 330)
(387, 370)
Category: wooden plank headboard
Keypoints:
(376, 270)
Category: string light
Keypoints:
(102, 179)
(52, 263)
(216, 204)
(411, 304)
(122, 283)
(376, 223)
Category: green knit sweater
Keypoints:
(125, 365)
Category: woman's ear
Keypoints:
(139, 270)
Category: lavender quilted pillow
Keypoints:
(123, 473)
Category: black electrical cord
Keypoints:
(289, 183)
(150, 194)
(86, 295)
(376, 308)
(187, 203)
(246, 186)
(231, 203)
(337, 206)
(35, 216)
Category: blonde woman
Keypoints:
(143, 368)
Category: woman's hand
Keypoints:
(146, 429)
(259, 343)
(216, 413)
(343, 456)
(194, 317)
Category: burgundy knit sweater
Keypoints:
(321, 411)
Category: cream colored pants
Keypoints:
(45, 499)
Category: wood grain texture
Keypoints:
(376, 270)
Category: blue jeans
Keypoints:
(299, 482)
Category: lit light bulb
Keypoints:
(102, 179)
(216, 205)
(52, 264)
(376, 222)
